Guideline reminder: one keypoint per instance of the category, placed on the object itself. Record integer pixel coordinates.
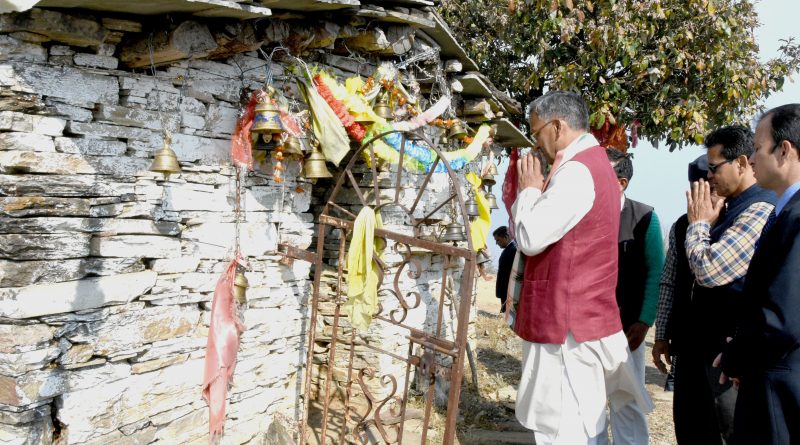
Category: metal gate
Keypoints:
(348, 409)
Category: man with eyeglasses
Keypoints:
(726, 216)
(764, 355)
(575, 355)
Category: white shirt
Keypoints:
(541, 219)
(564, 385)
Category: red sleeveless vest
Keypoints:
(571, 285)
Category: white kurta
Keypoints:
(563, 389)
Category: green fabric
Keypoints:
(654, 261)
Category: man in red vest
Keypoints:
(575, 355)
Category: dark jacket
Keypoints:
(504, 270)
(714, 310)
(765, 353)
(678, 321)
(633, 224)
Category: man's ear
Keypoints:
(623, 183)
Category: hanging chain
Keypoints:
(237, 209)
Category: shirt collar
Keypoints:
(786, 196)
(580, 143)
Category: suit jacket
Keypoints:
(765, 353)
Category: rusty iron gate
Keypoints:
(347, 409)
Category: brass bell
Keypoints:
(314, 166)
(454, 232)
(483, 257)
(472, 206)
(492, 200)
(165, 161)
(240, 286)
(492, 168)
(383, 109)
(457, 131)
(267, 120)
(488, 180)
(292, 146)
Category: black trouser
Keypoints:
(702, 408)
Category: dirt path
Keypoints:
(498, 356)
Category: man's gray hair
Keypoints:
(564, 105)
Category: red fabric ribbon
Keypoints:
(221, 350)
(510, 187)
(241, 144)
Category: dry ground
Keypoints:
(498, 361)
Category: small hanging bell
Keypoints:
(492, 200)
(488, 180)
(457, 131)
(293, 147)
(471, 205)
(454, 232)
(165, 160)
(267, 120)
(483, 257)
(240, 286)
(382, 108)
(492, 169)
(314, 166)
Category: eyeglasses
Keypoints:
(713, 167)
(535, 134)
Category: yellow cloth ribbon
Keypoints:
(479, 228)
(362, 274)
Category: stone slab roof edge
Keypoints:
(202, 8)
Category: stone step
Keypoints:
(489, 437)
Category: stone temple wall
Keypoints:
(107, 271)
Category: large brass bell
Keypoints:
(165, 161)
(492, 200)
(454, 232)
(240, 286)
(488, 180)
(267, 120)
(314, 167)
(457, 131)
(383, 109)
(471, 205)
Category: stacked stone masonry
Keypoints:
(107, 270)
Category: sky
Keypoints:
(659, 177)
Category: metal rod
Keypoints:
(312, 331)
(399, 237)
(332, 354)
(425, 184)
(356, 188)
(457, 370)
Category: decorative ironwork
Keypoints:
(429, 355)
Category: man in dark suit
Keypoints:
(503, 239)
(764, 355)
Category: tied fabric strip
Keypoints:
(362, 274)
(221, 350)
(241, 144)
(510, 184)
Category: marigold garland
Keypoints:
(355, 130)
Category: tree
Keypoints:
(676, 67)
